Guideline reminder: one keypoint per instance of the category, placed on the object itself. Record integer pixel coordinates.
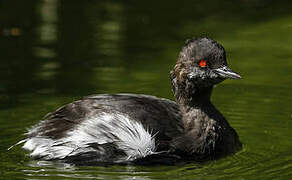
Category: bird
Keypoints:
(129, 128)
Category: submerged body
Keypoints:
(129, 128)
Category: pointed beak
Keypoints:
(226, 72)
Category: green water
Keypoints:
(54, 52)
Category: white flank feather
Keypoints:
(128, 135)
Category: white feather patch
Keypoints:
(128, 135)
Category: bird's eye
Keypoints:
(203, 63)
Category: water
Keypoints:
(54, 52)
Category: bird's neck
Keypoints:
(194, 102)
(196, 108)
(196, 98)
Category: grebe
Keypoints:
(129, 128)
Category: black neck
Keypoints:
(195, 98)
(197, 109)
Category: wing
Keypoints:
(56, 124)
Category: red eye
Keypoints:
(203, 63)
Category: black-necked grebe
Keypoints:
(123, 128)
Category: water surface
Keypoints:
(54, 52)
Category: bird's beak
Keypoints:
(226, 72)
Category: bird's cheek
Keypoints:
(213, 75)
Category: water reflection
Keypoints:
(47, 30)
(57, 169)
(109, 30)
